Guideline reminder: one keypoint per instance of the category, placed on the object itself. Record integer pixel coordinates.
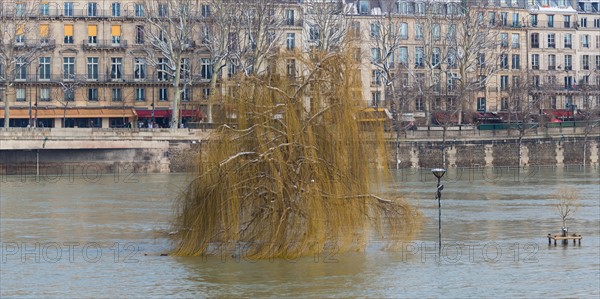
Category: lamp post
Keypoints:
(439, 173)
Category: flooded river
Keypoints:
(83, 236)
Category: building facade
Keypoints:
(98, 63)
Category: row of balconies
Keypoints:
(98, 78)
(104, 14)
(103, 44)
(36, 43)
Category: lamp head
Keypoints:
(438, 172)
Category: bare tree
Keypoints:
(20, 43)
(589, 114)
(67, 91)
(522, 107)
(171, 28)
(327, 22)
(566, 206)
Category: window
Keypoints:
(184, 96)
(515, 41)
(435, 57)
(515, 19)
(492, 18)
(68, 28)
(403, 30)
(68, 9)
(419, 54)
(205, 10)
(20, 69)
(534, 20)
(598, 62)
(551, 40)
(504, 61)
(481, 60)
(535, 61)
(116, 68)
(583, 22)
(504, 104)
(585, 41)
(567, 21)
(45, 94)
(596, 23)
(504, 40)
(313, 33)
(503, 82)
(68, 68)
(162, 10)
(550, 21)
(552, 102)
(92, 9)
(205, 69)
(535, 81)
(504, 18)
(161, 68)
(44, 8)
(597, 41)
(115, 9)
(568, 40)
(375, 98)
(435, 31)
(585, 62)
(516, 61)
(44, 68)
(20, 33)
(551, 80)
(117, 95)
(139, 34)
(20, 9)
(481, 104)
(535, 40)
(92, 34)
(375, 55)
(116, 34)
(139, 10)
(140, 94)
(139, 68)
(376, 78)
(451, 59)
(568, 82)
(451, 34)
(93, 94)
(403, 56)
(375, 30)
(69, 95)
(419, 104)
(163, 94)
(363, 7)
(92, 68)
(20, 94)
(568, 62)
(290, 41)
(516, 80)
(418, 31)
(289, 17)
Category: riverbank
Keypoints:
(100, 151)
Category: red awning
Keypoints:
(167, 113)
(559, 113)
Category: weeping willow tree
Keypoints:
(290, 175)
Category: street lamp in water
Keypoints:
(439, 173)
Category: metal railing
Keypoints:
(104, 44)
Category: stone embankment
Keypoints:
(100, 151)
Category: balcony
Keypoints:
(104, 44)
(42, 44)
